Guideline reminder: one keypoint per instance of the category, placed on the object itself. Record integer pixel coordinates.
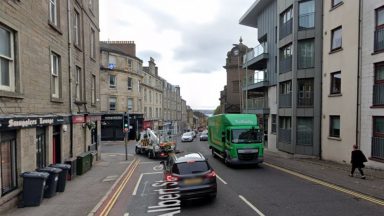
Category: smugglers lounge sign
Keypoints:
(28, 122)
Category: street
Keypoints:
(262, 190)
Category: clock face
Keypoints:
(235, 52)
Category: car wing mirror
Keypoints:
(162, 162)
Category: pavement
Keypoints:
(84, 194)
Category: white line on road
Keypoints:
(224, 182)
(138, 181)
(126, 214)
(252, 206)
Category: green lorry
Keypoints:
(236, 138)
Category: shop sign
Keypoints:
(25, 122)
(78, 119)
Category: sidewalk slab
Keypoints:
(331, 172)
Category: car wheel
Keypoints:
(226, 161)
(137, 150)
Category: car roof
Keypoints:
(184, 157)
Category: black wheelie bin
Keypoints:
(62, 176)
(50, 189)
(33, 188)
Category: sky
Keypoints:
(189, 40)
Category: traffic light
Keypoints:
(126, 121)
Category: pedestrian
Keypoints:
(357, 160)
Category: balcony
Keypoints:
(285, 100)
(257, 58)
(377, 148)
(284, 135)
(285, 29)
(307, 21)
(379, 40)
(258, 81)
(258, 105)
(378, 94)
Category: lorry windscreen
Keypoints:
(246, 136)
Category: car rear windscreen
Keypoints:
(190, 167)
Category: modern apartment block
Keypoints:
(232, 98)
(120, 94)
(49, 86)
(290, 37)
(371, 87)
(340, 79)
(152, 87)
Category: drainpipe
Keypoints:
(70, 73)
(359, 71)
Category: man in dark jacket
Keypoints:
(357, 161)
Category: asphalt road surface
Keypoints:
(260, 190)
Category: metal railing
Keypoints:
(307, 21)
(377, 147)
(379, 40)
(285, 29)
(285, 100)
(285, 65)
(378, 94)
(305, 101)
(256, 51)
(284, 135)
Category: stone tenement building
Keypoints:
(49, 81)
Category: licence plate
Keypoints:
(193, 181)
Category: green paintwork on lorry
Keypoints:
(224, 123)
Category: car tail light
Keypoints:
(211, 174)
(171, 178)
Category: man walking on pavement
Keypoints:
(357, 160)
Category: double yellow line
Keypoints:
(107, 208)
(329, 185)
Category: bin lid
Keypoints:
(33, 174)
(49, 170)
(61, 166)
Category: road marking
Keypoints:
(329, 185)
(145, 186)
(148, 162)
(252, 206)
(112, 201)
(224, 182)
(138, 181)
(110, 178)
(126, 214)
(158, 167)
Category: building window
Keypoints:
(91, 5)
(286, 22)
(145, 113)
(8, 164)
(130, 104)
(378, 126)
(77, 30)
(379, 29)
(336, 39)
(334, 126)
(7, 67)
(54, 12)
(139, 105)
(112, 81)
(112, 104)
(235, 86)
(55, 73)
(93, 44)
(305, 131)
(41, 148)
(130, 83)
(286, 59)
(306, 14)
(78, 84)
(285, 96)
(129, 63)
(305, 92)
(93, 90)
(378, 137)
(306, 54)
(378, 86)
(336, 83)
(150, 95)
(273, 129)
(336, 3)
(112, 59)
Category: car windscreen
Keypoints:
(187, 134)
(246, 136)
(191, 167)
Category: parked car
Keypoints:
(194, 176)
(204, 136)
(187, 137)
